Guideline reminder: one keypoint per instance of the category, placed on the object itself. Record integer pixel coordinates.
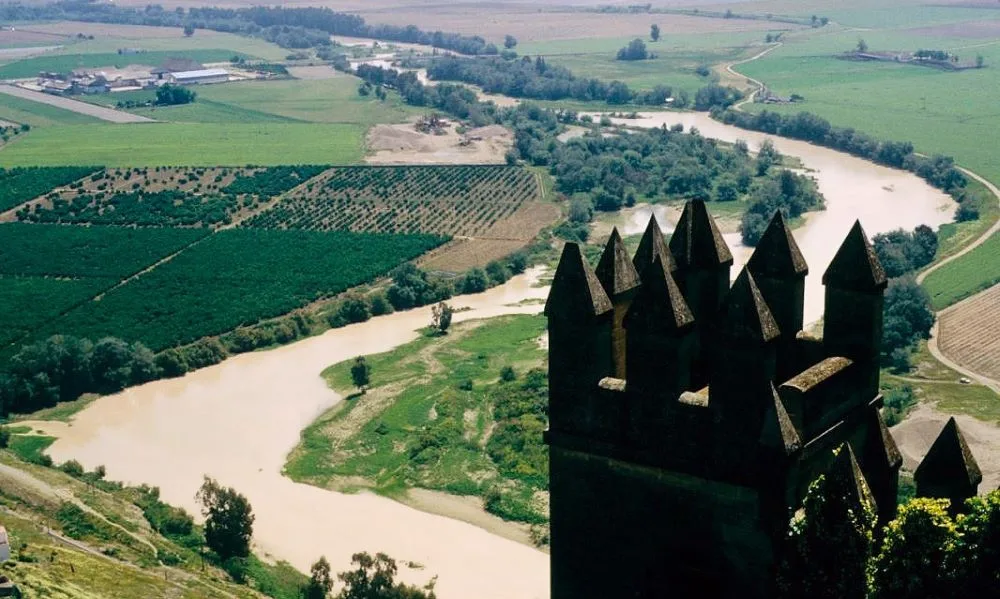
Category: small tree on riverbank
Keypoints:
(228, 520)
(361, 373)
(441, 319)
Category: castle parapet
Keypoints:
(818, 396)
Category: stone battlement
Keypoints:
(688, 416)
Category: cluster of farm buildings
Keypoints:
(176, 71)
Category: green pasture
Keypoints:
(188, 144)
(973, 272)
(63, 63)
(37, 114)
(158, 40)
(442, 391)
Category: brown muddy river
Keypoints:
(238, 420)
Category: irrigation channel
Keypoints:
(238, 420)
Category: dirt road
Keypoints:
(105, 114)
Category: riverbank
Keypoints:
(238, 420)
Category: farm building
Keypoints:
(202, 76)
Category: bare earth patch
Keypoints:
(71, 28)
(401, 144)
(970, 333)
(100, 112)
(915, 435)
(314, 73)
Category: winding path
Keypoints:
(932, 343)
(760, 84)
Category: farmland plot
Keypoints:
(205, 197)
(970, 333)
(443, 200)
(237, 277)
(18, 185)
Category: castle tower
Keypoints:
(780, 270)
(620, 281)
(703, 273)
(579, 314)
(676, 476)
(660, 345)
(949, 470)
(852, 326)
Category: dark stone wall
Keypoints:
(624, 531)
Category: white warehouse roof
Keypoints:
(201, 74)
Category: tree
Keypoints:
(980, 61)
(320, 581)
(907, 316)
(188, 30)
(509, 42)
(361, 373)
(978, 552)
(441, 319)
(374, 578)
(173, 95)
(917, 552)
(228, 520)
(829, 549)
(862, 46)
(475, 281)
(654, 32)
(636, 50)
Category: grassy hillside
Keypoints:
(79, 537)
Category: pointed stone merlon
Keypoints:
(780, 270)
(703, 260)
(579, 322)
(881, 461)
(779, 432)
(817, 397)
(949, 470)
(620, 281)
(852, 326)
(743, 362)
(844, 478)
(652, 246)
(661, 337)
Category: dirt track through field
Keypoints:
(105, 114)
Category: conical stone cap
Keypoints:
(856, 267)
(845, 479)
(659, 306)
(745, 313)
(697, 242)
(652, 246)
(777, 256)
(614, 270)
(576, 293)
(881, 446)
(949, 461)
(778, 431)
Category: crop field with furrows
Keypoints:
(443, 200)
(237, 277)
(154, 196)
(970, 333)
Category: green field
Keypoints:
(173, 41)
(678, 56)
(973, 272)
(436, 417)
(941, 112)
(19, 185)
(36, 114)
(188, 144)
(29, 302)
(64, 63)
(237, 277)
